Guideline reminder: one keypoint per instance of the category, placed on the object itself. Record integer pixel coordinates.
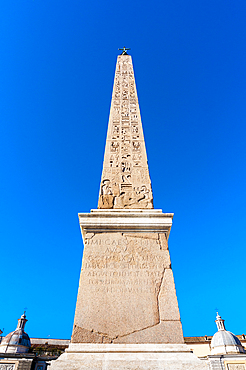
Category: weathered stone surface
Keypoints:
(125, 179)
(143, 235)
(106, 201)
(163, 241)
(168, 303)
(120, 283)
(128, 357)
(81, 335)
(164, 332)
(123, 288)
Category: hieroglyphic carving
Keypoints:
(106, 189)
(139, 197)
(116, 129)
(121, 185)
(114, 147)
(136, 146)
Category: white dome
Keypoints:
(224, 341)
(17, 341)
(224, 338)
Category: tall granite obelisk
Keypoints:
(126, 292)
(127, 315)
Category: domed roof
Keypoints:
(17, 337)
(224, 341)
(17, 341)
(224, 338)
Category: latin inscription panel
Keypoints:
(120, 282)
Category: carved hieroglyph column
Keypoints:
(125, 178)
(126, 290)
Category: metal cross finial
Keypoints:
(124, 52)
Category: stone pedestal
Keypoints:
(127, 314)
(126, 291)
(128, 357)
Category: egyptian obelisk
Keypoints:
(127, 303)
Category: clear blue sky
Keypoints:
(57, 67)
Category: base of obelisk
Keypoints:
(88, 356)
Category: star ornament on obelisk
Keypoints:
(124, 50)
(125, 179)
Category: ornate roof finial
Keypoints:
(22, 321)
(124, 52)
(220, 322)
